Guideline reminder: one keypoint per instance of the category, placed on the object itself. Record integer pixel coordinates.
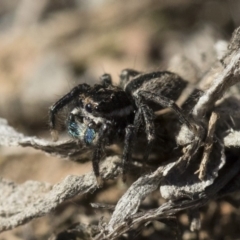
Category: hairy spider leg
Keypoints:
(106, 80)
(138, 120)
(82, 88)
(131, 130)
(125, 76)
(168, 103)
(127, 151)
(148, 116)
(98, 152)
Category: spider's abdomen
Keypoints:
(165, 83)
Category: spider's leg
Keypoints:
(147, 114)
(130, 132)
(98, 152)
(64, 101)
(106, 80)
(126, 75)
(128, 144)
(138, 120)
(168, 103)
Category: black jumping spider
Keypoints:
(103, 113)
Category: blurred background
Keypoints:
(48, 47)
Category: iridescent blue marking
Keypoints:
(81, 132)
(73, 129)
(89, 136)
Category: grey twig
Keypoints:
(19, 206)
(71, 150)
(208, 145)
(170, 208)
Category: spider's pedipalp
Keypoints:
(62, 102)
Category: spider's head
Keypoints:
(101, 106)
(82, 128)
(91, 108)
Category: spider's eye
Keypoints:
(88, 107)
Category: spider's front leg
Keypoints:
(62, 102)
(99, 150)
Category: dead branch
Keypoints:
(22, 203)
(65, 149)
(172, 207)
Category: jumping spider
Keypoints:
(104, 112)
